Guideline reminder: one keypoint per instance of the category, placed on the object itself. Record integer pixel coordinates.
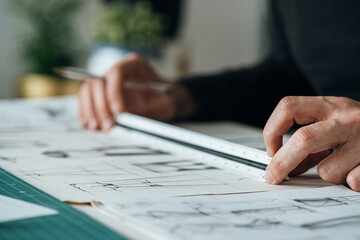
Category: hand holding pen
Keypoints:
(129, 86)
(79, 74)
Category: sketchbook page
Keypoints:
(79, 165)
(12, 209)
(38, 113)
(324, 213)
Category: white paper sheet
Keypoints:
(13, 209)
(44, 148)
(82, 165)
(323, 213)
(35, 113)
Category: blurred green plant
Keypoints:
(52, 41)
(135, 25)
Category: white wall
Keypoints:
(217, 35)
(14, 29)
(11, 36)
(225, 33)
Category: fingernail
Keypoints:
(116, 107)
(92, 124)
(107, 124)
(268, 177)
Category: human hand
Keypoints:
(334, 124)
(99, 101)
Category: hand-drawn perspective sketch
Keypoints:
(140, 183)
(38, 113)
(8, 159)
(174, 166)
(179, 194)
(78, 165)
(109, 151)
(251, 216)
(330, 201)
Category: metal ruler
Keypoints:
(211, 150)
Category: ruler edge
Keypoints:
(129, 117)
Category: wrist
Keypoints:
(184, 103)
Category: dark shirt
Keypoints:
(315, 51)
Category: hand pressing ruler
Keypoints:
(211, 150)
(67, 224)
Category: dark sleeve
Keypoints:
(250, 95)
(247, 95)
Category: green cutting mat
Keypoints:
(67, 224)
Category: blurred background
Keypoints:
(179, 37)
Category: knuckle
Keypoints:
(287, 103)
(345, 100)
(351, 121)
(277, 165)
(304, 137)
(353, 181)
(267, 132)
(354, 119)
(342, 102)
(334, 123)
(96, 84)
(326, 173)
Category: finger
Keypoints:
(83, 103)
(114, 89)
(102, 111)
(313, 138)
(88, 108)
(353, 179)
(80, 113)
(336, 167)
(301, 110)
(309, 162)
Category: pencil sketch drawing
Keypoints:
(110, 151)
(251, 216)
(139, 183)
(174, 166)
